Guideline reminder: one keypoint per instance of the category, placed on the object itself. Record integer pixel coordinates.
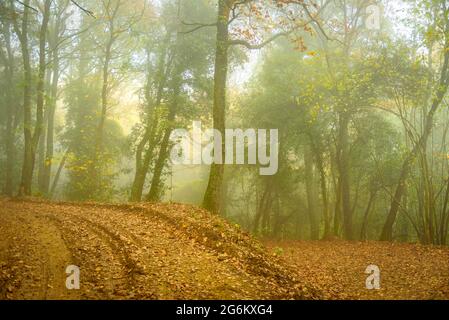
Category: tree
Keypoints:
(177, 79)
(116, 23)
(56, 32)
(227, 14)
(420, 145)
(12, 110)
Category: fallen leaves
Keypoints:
(135, 251)
(174, 251)
(337, 268)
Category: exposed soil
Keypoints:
(173, 251)
(134, 252)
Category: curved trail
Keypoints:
(173, 251)
(121, 253)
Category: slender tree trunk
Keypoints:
(141, 168)
(43, 139)
(149, 138)
(387, 231)
(58, 174)
(337, 212)
(261, 208)
(344, 176)
(212, 196)
(40, 89)
(32, 139)
(48, 136)
(445, 214)
(143, 164)
(277, 217)
(96, 167)
(10, 128)
(50, 125)
(266, 221)
(155, 190)
(41, 156)
(104, 96)
(327, 220)
(364, 227)
(311, 195)
(25, 184)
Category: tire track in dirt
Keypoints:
(161, 264)
(105, 264)
(56, 240)
(134, 252)
(123, 249)
(37, 257)
(172, 251)
(125, 254)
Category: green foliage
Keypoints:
(82, 102)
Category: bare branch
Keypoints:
(234, 8)
(88, 12)
(197, 26)
(260, 45)
(316, 22)
(28, 6)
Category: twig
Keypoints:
(198, 26)
(88, 12)
(28, 6)
(260, 45)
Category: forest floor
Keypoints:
(407, 271)
(173, 251)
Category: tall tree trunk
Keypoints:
(96, 167)
(337, 209)
(212, 196)
(262, 206)
(311, 195)
(364, 227)
(40, 88)
(51, 124)
(41, 155)
(43, 138)
(444, 227)
(149, 138)
(53, 79)
(25, 184)
(8, 188)
(324, 194)
(155, 190)
(32, 139)
(58, 174)
(141, 168)
(104, 96)
(277, 227)
(344, 175)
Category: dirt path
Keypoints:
(407, 271)
(122, 254)
(33, 256)
(173, 251)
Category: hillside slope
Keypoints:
(151, 251)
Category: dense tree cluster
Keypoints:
(90, 92)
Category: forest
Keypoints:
(356, 91)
